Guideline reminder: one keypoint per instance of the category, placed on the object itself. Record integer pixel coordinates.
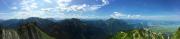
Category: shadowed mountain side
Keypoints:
(38, 28)
(32, 31)
(0, 31)
(76, 29)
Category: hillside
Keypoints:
(38, 28)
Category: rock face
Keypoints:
(31, 31)
(28, 31)
(25, 31)
(9, 34)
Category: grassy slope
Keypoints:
(138, 34)
(43, 34)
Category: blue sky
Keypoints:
(120, 9)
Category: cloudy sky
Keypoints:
(91, 9)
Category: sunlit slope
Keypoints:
(138, 34)
(176, 35)
(43, 35)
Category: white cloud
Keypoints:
(28, 5)
(25, 14)
(119, 15)
(161, 17)
(53, 8)
(48, 1)
(4, 15)
(41, 14)
(65, 6)
(14, 8)
(33, 5)
(46, 10)
(105, 2)
(126, 16)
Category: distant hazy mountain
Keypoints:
(11, 23)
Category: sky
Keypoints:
(91, 9)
